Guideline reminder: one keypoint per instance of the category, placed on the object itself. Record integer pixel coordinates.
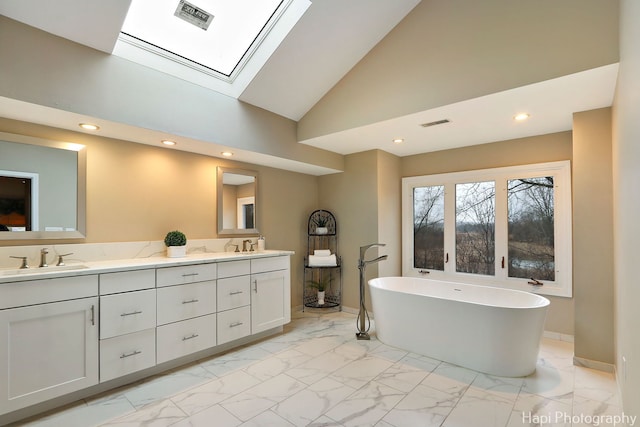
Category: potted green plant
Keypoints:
(321, 224)
(176, 243)
(321, 285)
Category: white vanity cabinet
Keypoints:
(48, 339)
(127, 322)
(186, 306)
(65, 333)
(270, 293)
(234, 300)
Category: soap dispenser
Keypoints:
(261, 243)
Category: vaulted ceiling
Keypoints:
(332, 38)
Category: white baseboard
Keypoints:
(558, 336)
(594, 364)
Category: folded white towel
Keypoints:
(322, 252)
(323, 261)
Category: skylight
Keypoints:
(215, 36)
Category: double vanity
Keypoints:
(81, 329)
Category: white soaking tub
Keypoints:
(491, 330)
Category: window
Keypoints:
(428, 236)
(506, 227)
(214, 34)
(217, 44)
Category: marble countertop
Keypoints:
(96, 267)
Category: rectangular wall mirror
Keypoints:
(42, 188)
(237, 192)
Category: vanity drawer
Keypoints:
(234, 324)
(186, 301)
(261, 265)
(126, 281)
(168, 276)
(234, 268)
(31, 292)
(127, 353)
(233, 292)
(127, 312)
(186, 337)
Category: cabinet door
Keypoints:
(268, 300)
(46, 351)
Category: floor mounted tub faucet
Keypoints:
(363, 316)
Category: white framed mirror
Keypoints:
(237, 193)
(42, 188)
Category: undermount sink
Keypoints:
(41, 270)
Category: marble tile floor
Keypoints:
(317, 374)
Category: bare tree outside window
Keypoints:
(475, 227)
(493, 227)
(428, 227)
(531, 229)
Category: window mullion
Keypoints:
(450, 227)
(501, 230)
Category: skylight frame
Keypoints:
(245, 57)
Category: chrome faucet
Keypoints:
(43, 257)
(363, 316)
(363, 250)
(24, 261)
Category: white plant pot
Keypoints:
(320, 297)
(322, 230)
(176, 251)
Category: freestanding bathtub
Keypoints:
(491, 330)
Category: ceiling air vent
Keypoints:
(437, 122)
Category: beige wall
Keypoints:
(352, 196)
(446, 51)
(626, 158)
(539, 149)
(50, 71)
(390, 213)
(229, 196)
(593, 235)
(137, 192)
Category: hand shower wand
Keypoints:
(363, 332)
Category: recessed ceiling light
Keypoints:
(398, 140)
(520, 117)
(168, 142)
(89, 126)
(227, 153)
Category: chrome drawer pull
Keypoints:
(130, 314)
(190, 301)
(190, 338)
(133, 353)
(190, 274)
(235, 292)
(233, 325)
